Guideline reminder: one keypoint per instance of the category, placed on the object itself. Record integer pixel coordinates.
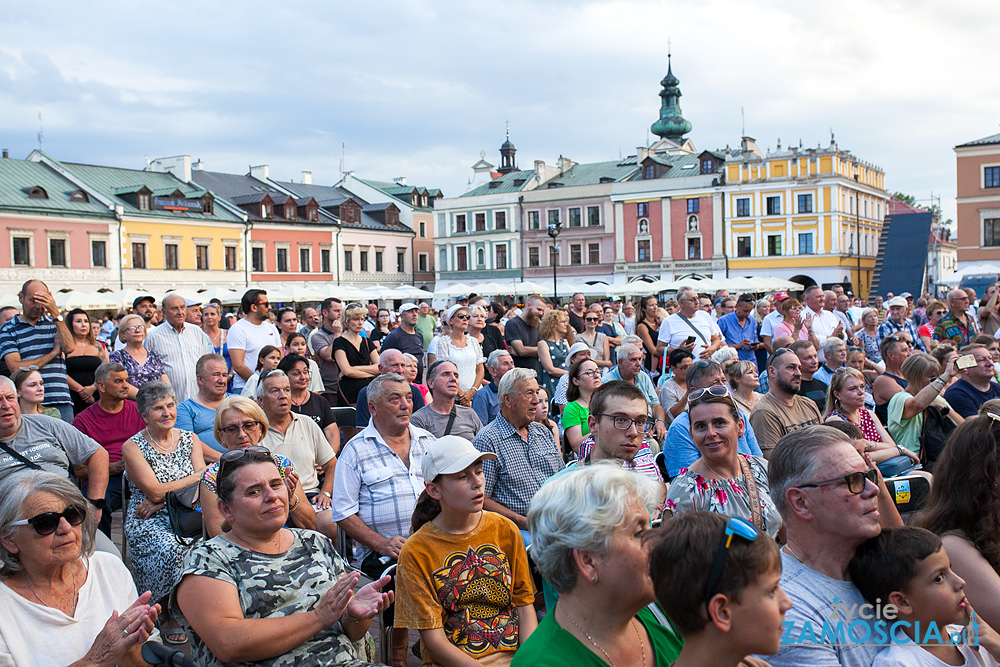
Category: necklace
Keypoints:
(153, 441)
(586, 634)
(717, 473)
(793, 554)
(76, 592)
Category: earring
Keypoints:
(593, 579)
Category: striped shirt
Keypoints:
(32, 342)
(180, 353)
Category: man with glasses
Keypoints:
(828, 501)
(782, 410)
(956, 327)
(629, 368)
(976, 385)
(689, 328)
(527, 454)
(247, 337)
(406, 338)
(898, 322)
(679, 451)
(627, 316)
(197, 414)
(180, 345)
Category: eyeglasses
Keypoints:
(247, 427)
(462, 316)
(47, 522)
(591, 319)
(263, 303)
(855, 481)
(734, 526)
(591, 373)
(718, 390)
(135, 329)
(623, 423)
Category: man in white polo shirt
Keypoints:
(824, 322)
(689, 328)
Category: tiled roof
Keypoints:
(504, 184)
(17, 177)
(985, 141)
(591, 173)
(329, 195)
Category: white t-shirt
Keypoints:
(910, 655)
(823, 324)
(674, 331)
(250, 338)
(304, 444)
(36, 635)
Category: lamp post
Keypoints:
(553, 229)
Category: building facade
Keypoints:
(978, 200)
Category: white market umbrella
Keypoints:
(459, 289)
(86, 300)
(223, 294)
(411, 292)
(527, 287)
(381, 292)
(293, 294)
(347, 292)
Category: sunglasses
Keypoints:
(591, 319)
(855, 481)
(623, 423)
(462, 316)
(734, 526)
(247, 427)
(718, 390)
(237, 454)
(777, 353)
(47, 522)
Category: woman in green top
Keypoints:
(925, 383)
(588, 527)
(584, 379)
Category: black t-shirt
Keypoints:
(576, 321)
(318, 408)
(492, 340)
(815, 390)
(517, 329)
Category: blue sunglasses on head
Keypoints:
(734, 526)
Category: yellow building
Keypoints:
(812, 215)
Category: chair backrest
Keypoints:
(661, 465)
(909, 492)
(344, 416)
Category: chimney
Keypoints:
(178, 165)
(260, 172)
(399, 180)
(199, 165)
(307, 178)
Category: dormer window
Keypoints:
(79, 196)
(649, 172)
(206, 206)
(289, 211)
(707, 166)
(423, 200)
(606, 179)
(38, 192)
(495, 184)
(143, 200)
(266, 211)
(312, 213)
(414, 199)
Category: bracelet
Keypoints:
(295, 504)
(327, 494)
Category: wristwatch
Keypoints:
(99, 503)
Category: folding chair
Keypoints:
(344, 416)
(385, 640)
(661, 465)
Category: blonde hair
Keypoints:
(837, 383)
(240, 404)
(550, 320)
(123, 324)
(350, 313)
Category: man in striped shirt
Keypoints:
(36, 340)
(180, 344)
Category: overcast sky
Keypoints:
(419, 88)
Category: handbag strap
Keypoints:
(19, 456)
(755, 514)
(693, 328)
(451, 420)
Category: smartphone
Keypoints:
(965, 361)
(690, 339)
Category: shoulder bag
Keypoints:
(185, 520)
(755, 514)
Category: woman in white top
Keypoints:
(464, 351)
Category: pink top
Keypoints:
(785, 329)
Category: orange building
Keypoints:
(978, 199)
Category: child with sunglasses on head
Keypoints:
(717, 579)
(267, 360)
(462, 579)
(930, 621)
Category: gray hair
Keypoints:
(276, 373)
(409, 357)
(152, 393)
(15, 490)
(683, 289)
(510, 380)
(631, 339)
(377, 388)
(495, 356)
(106, 369)
(203, 360)
(477, 309)
(626, 349)
(579, 510)
(832, 343)
(796, 460)
(7, 382)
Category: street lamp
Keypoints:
(553, 229)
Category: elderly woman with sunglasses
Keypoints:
(464, 351)
(722, 480)
(63, 603)
(263, 594)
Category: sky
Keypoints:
(419, 88)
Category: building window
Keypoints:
(576, 254)
(57, 252)
(170, 256)
(305, 261)
(400, 261)
(22, 251)
(649, 172)
(138, 255)
(229, 255)
(99, 253)
(694, 248)
(991, 177)
(480, 222)
(806, 244)
(500, 220)
(532, 219)
(991, 232)
(594, 253)
(693, 205)
(348, 260)
(257, 258)
(324, 260)
(533, 259)
(774, 244)
(554, 217)
(594, 216)
(743, 246)
(481, 258)
(743, 207)
(501, 259)
(422, 261)
(805, 203)
(774, 205)
(460, 223)
(143, 202)
(644, 253)
(289, 211)
(575, 219)
(79, 196)
(363, 264)
(423, 229)
(201, 257)
(282, 256)
(266, 210)
(642, 209)
(462, 259)
(707, 167)
(378, 261)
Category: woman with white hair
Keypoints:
(143, 365)
(587, 528)
(464, 351)
(63, 603)
(487, 335)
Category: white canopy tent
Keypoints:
(972, 270)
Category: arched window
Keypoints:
(480, 257)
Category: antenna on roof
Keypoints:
(41, 131)
(743, 118)
(343, 157)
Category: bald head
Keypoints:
(391, 361)
(958, 301)
(171, 299)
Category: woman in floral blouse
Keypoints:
(142, 365)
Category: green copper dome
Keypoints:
(672, 125)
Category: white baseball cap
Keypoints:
(896, 301)
(407, 306)
(450, 454)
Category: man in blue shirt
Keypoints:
(976, 386)
(740, 330)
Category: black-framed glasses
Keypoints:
(46, 523)
(734, 526)
(593, 372)
(855, 481)
(247, 427)
(623, 423)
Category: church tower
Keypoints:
(671, 125)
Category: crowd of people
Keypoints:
(613, 483)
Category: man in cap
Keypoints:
(405, 337)
(193, 311)
(898, 322)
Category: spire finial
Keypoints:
(507, 122)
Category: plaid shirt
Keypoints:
(950, 330)
(372, 482)
(521, 467)
(890, 327)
